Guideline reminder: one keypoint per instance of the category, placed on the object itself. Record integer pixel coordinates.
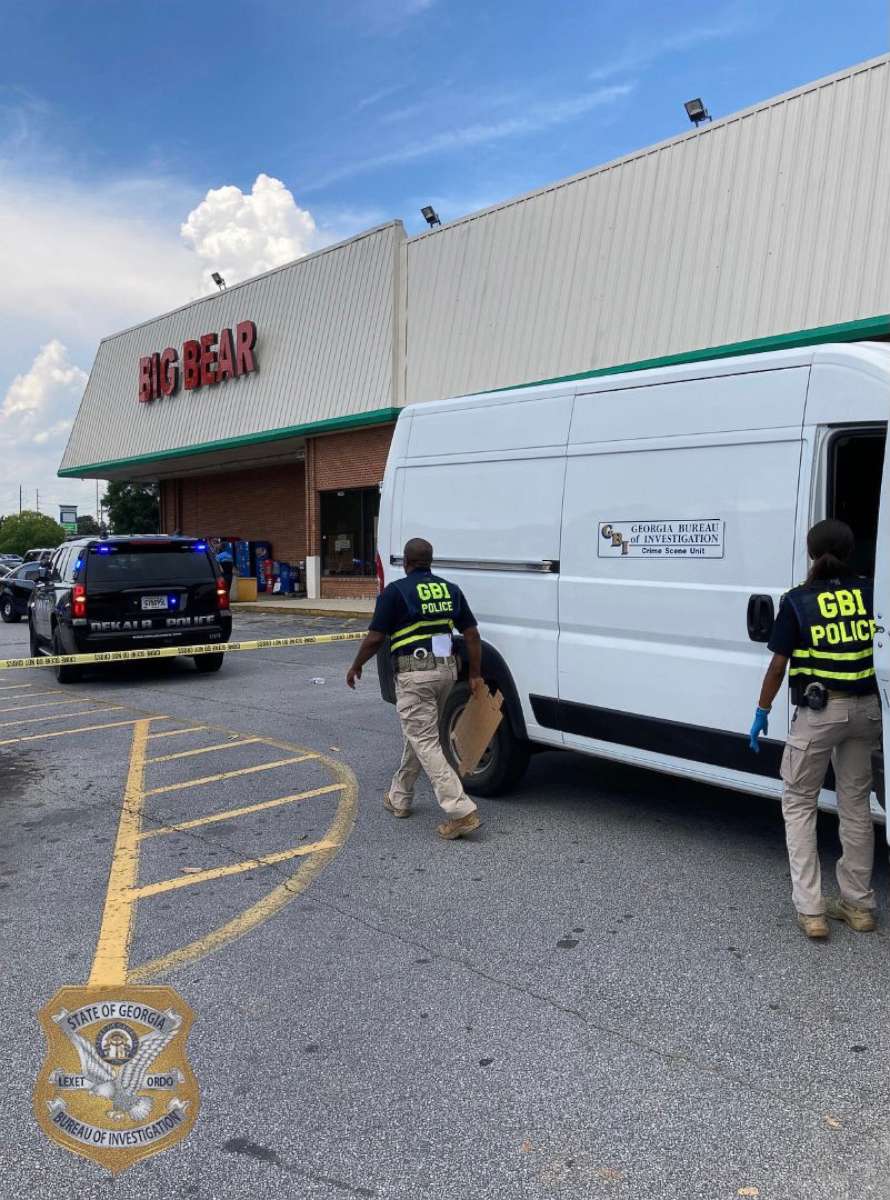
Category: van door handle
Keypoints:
(761, 617)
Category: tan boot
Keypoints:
(814, 925)
(459, 826)
(860, 919)
(394, 809)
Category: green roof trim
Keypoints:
(378, 416)
(846, 331)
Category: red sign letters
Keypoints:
(209, 360)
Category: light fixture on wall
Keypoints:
(218, 280)
(430, 215)
(696, 111)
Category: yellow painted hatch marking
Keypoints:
(241, 812)
(250, 864)
(190, 783)
(174, 732)
(116, 932)
(112, 957)
(44, 703)
(248, 741)
(87, 712)
(50, 692)
(33, 737)
(15, 687)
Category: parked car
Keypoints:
(125, 593)
(16, 588)
(42, 554)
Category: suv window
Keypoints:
(130, 566)
(59, 563)
(28, 571)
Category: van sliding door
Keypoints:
(678, 542)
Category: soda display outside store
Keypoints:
(254, 570)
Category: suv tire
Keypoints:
(7, 611)
(505, 760)
(206, 663)
(33, 641)
(65, 674)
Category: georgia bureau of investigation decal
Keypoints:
(116, 1085)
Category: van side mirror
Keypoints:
(43, 574)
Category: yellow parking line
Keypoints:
(190, 783)
(34, 737)
(116, 932)
(44, 704)
(202, 750)
(15, 687)
(241, 812)
(49, 692)
(87, 712)
(174, 732)
(264, 860)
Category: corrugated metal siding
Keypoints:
(769, 221)
(326, 348)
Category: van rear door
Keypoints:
(679, 529)
(484, 483)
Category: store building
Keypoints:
(767, 227)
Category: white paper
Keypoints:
(441, 645)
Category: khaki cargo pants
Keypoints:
(420, 698)
(847, 730)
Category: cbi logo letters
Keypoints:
(207, 361)
(434, 598)
(842, 603)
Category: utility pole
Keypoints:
(37, 494)
(20, 499)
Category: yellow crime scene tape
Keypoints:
(112, 656)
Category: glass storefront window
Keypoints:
(349, 531)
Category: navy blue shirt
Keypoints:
(786, 635)
(391, 611)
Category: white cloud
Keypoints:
(241, 235)
(535, 119)
(35, 418)
(86, 262)
(81, 262)
(643, 52)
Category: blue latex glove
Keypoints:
(761, 725)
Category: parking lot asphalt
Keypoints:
(600, 994)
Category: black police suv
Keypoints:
(15, 591)
(129, 593)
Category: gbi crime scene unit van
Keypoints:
(625, 539)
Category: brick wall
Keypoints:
(267, 504)
(342, 460)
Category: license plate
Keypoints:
(154, 602)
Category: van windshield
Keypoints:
(133, 566)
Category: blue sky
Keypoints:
(117, 120)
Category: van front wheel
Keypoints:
(504, 762)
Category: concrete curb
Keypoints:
(250, 606)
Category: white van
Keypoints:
(625, 539)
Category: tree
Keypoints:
(132, 507)
(29, 531)
(87, 525)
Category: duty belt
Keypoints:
(415, 662)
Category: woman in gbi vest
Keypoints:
(825, 629)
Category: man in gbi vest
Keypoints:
(419, 613)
